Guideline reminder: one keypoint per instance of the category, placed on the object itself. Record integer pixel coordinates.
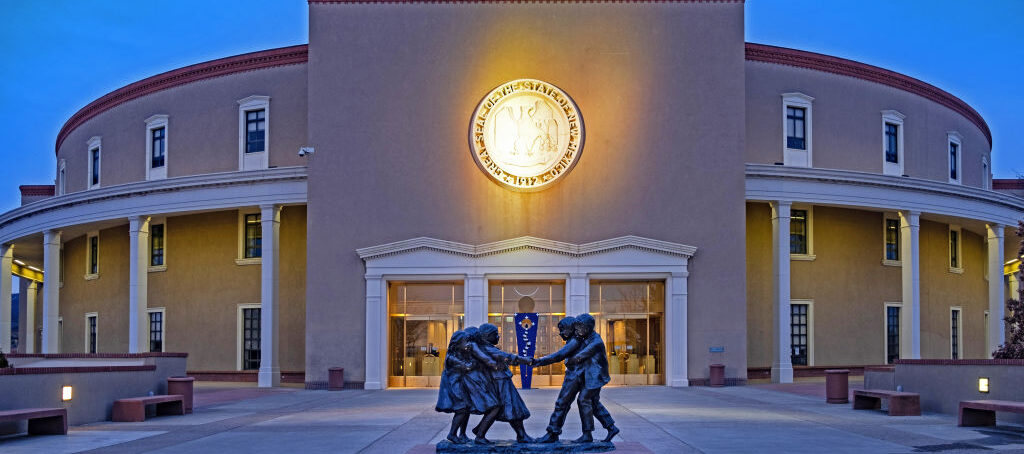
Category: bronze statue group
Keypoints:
(477, 380)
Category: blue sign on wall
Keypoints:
(526, 340)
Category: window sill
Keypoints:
(956, 270)
(92, 277)
(158, 269)
(892, 263)
(252, 261)
(803, 257)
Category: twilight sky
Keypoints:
(59, 55)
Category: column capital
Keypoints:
(51, 236)
(138, 224)
(996, 230)
(781, 208)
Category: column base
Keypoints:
(269, 378)
(782, 374)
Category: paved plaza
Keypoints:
(757, 418)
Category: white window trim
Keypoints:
(885, 330)
(240, 258)
(986, 174)
(795, 157)
(809, 256)
(810, 328)
(163, 322)
(85, 344)
(239, 330)
(62, 177)
(149, 247)
(156, 122)
(953, 137)
(94, 143)
(885, 218)
(88, 255)
(896, 118)
(260, 160)
(960, 332)
(959, 269)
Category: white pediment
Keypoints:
(527, 243)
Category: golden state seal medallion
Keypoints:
(526, 134)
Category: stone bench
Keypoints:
(41, 421)
(134, 409)
(983, 412)
(900, 403)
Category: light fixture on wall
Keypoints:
(983, 384)
(65, 393)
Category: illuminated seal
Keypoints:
(526, 134)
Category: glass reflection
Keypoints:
(630, 319)
(421, 319)
(547, 299)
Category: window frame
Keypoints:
(886, 218)
(151, 267)
(794, 156)
(956, 344)
(954, 138)
(89, 274)
(959, 268)
(62, 178)
(240, 258)
(809, 255)
(260, 159)
(896, 118)
(152, 124)
(986, 174)
(885, 332)
(94, 144)
(240, 332)
(810, 328)
(96, 336)
(163, 327)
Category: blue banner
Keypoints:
(526, 339)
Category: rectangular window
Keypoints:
(90, 321)
(892, 152)
(799, 335)
(157, 139)
(798, 232)
(954, 248)
(892, 239)
(94, 167)
(250, 338)
(156, 331)
(94, 252)
(255, 131)
(954, 160)
(796, 136)
(954, 333)
(892, 334)
(156, 245)
(253, 236)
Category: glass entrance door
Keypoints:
(631, 320)
(547, 299)
(421, 319)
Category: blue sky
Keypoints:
(59, 55)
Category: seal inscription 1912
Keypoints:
(526, 134)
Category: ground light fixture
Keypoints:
(65, 393)
(983, 384)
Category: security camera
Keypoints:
(303, 151)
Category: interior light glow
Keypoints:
(65, 393)
(19, 262)
(983, 384)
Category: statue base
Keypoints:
(504, 446)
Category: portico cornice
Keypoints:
(526, 242)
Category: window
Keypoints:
(94, 147)
(800, 333)
(156, 147)
(986, 176)
(92, 255)
(892, 240)
(157, 143)
(800, 236)
(253, 236)
(253, 132)
(91, 320)
(250, 337)
(954, 142)
(62, 176)
(156, 245)
(892, 142)
(954, 332)
(796, 124)
(892, 333)
(955, 255)
(156, 330)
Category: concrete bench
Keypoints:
(41, 421)
(900, 403)
(134, 409)
(983, 412)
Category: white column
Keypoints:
(51, 291)
(475, 300)
(782, 364)
(376, 331)
(270, 369)
(29, 341)
(6, 281)
(138, 274)
(577, 300)
(996, 298)
(910, 313)
(675, 313)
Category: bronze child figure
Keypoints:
(513, 409)
(460, 391)
(590, 358)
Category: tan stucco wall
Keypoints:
(849, 287)
(200, 290)
(202, 128)
(660, 88)
(847, 124)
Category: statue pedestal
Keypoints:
(505, 446)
